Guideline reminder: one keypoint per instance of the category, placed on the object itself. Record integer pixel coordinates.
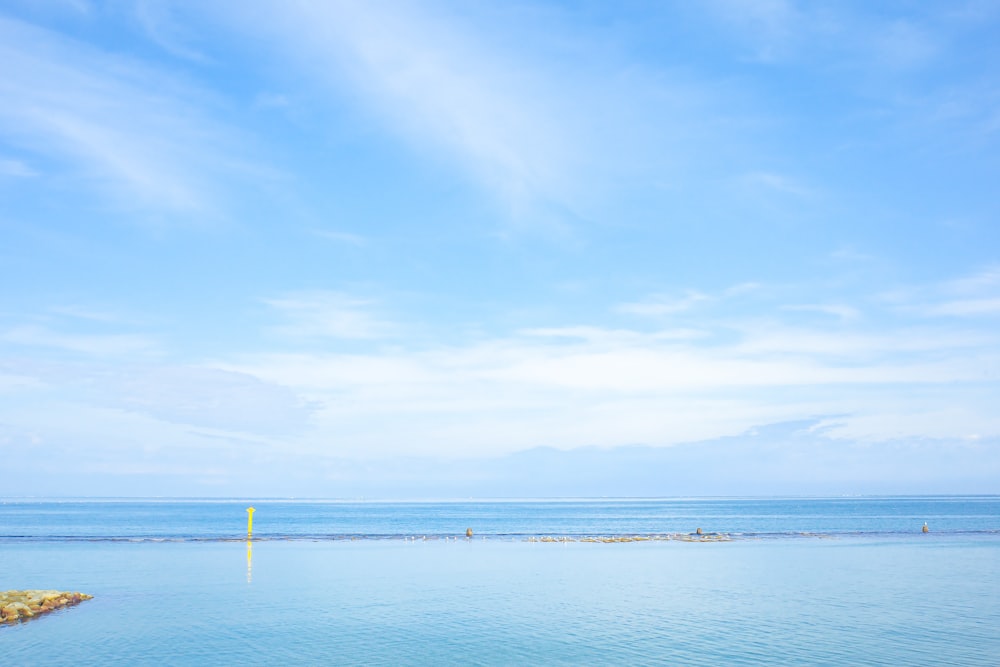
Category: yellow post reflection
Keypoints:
(249, 560)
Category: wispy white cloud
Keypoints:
(134, 133)
(986, 279)
(16, 169)
(841, 311)
(70, 7)
(977, 294)
(863, 347)
(789, 31)
(271, 101)
(773, 27)
(91, 440)
(901, 44)
(85, 313)
(15, 383)
(125, 389)
(594, 334)
(965, 307)
(850, 254)
(548, 126)
(157, 20)
(205, 397)
(665, 304)
(766, 180)
(341, 237)
(661, 305)
(321, 314)
(741, 288)
(437, 86)
(98, 345)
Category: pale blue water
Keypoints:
(873, 590)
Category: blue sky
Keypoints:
(338, 249)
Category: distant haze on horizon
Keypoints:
(451, 249)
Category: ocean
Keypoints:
(782, 581)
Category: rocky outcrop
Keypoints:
(17, 605)
(683, 537)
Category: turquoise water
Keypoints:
(871, 595)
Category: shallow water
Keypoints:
(874, 598)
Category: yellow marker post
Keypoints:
(250, 512)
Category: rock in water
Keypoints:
(15, 605)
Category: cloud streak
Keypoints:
(548, 142)
(96, 345)
(16, 169)
(131, 132)
(662, 305)
(322, 314)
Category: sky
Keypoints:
(451, 249)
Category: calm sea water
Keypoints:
(345, 583)
(296, 519)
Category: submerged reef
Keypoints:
(17, 605)
(682, 537)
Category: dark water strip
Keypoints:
(507, 537)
